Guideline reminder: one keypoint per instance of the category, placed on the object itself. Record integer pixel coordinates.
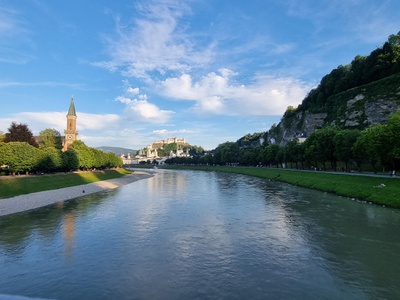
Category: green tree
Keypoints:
(373, 143)
(281, 157)
(80, 156)
(292, 152)
(227, 153)
(195, 150)
(208, 159)
(50, 159)
(270, 155)
(344, 141)
(19, 156)
(320, 146)
(392, 142)
(113, 161)
(50, 138)
(20, 133)
(84, 154)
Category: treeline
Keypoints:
(381, 63)
(327, 148)
(20, 152)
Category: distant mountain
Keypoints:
(117, 150)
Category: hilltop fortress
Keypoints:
(160, 143)
(156, 151)
(152, 150)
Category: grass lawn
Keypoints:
(352, 186)
(11, 186)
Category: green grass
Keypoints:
(353, 186)
(13, 186)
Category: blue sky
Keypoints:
(210, 71)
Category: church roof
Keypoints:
(71, 110)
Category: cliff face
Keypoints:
(357, 108)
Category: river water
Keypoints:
(203, 235)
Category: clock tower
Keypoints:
(70, 132)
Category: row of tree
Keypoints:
(20, 152)
(326, 148)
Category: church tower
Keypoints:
(70, 132)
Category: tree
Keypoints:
(196, 150)
(226, 153)
(50, 159)
(80, 156)
(393, 139)
(373, 144)
(320, 146)
(112, 160)
(20, 133)
(69, 160)
(19, 156)
(84, 154)
(2, 136)
(292, 152)
(280, 157)
(343, 142)
(270, 155)
(50, 138)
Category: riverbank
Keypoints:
(378, 190)
(39, 199)
(11, 186)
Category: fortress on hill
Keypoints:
(151, 152)
(161, 143)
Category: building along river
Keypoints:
(202, 235)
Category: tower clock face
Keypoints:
(69, 137)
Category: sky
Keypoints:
(210, 71)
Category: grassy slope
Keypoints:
(14, 186)
(353, 186)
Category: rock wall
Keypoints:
(360, 112)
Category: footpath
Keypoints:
(35, 200)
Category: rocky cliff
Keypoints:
(356, 108)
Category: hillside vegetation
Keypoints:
(363, 93)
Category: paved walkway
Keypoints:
(35, 200)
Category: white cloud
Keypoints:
(156, 43)
(165, 132)
(132, 91)
(218, 94)
(38, 121)
(98, 121)
(144, 111)
(121, 137)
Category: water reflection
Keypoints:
(69, 232)
(19, 229)
(195, 235)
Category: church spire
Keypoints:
(71, 110)
(70, 132)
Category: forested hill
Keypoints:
(365, 92)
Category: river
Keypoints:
(202, 235)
